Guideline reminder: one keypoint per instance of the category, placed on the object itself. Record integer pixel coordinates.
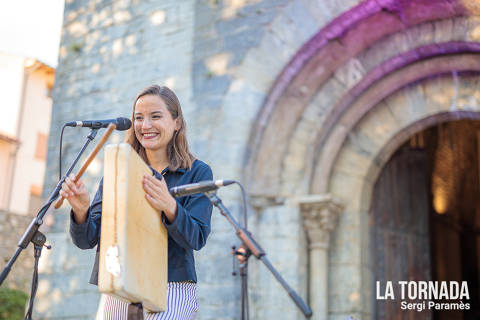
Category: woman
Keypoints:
(158, 135)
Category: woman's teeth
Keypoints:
(149, 135)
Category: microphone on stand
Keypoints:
(199, 187)
(121, 123)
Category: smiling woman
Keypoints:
(159, 123)
(158, 136)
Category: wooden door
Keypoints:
(400, 229)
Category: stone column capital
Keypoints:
(320, 215)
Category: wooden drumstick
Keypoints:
(91, 156)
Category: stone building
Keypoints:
(352, 124)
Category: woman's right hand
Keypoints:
(78, 197)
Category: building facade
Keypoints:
(307, 103)
(24, 127)
(26, 85)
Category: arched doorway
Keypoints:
(424, 221)
(336, 114)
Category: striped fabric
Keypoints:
(181, 304)
(114, 308)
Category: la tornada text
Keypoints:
(426, 295)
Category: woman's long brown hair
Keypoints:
(178, 152)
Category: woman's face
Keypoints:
(154, 125)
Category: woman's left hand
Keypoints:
(159, 197)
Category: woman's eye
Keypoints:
(138, 119)
(156, 117)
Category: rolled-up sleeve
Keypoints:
(86, 235)
(191, 227)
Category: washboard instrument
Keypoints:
(133, 242)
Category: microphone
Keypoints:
(199, 187)
(121, 123)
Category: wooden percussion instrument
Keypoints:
(133, 242)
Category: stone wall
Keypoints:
(12, 227)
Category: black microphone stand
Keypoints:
(243, 270)
(254, 248)
(244, 276)
(32, 234)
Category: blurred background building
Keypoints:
(26, 85)
(354, 126)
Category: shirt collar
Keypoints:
(167, 170)
(179, 170)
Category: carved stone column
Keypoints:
(320, 214)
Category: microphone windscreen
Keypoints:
(123, 124)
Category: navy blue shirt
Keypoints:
(188, 232)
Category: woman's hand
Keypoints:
(77, 196)
(159, 197)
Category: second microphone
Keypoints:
(199, 187)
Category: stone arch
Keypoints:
(398, 70)
(367, 147)
(353, 177)
(374, 95)
(339, 55)
(337, 82)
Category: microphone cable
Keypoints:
(244, 199)
(60, 155)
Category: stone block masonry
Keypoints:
(12, 227)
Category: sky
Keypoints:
(31, 28)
